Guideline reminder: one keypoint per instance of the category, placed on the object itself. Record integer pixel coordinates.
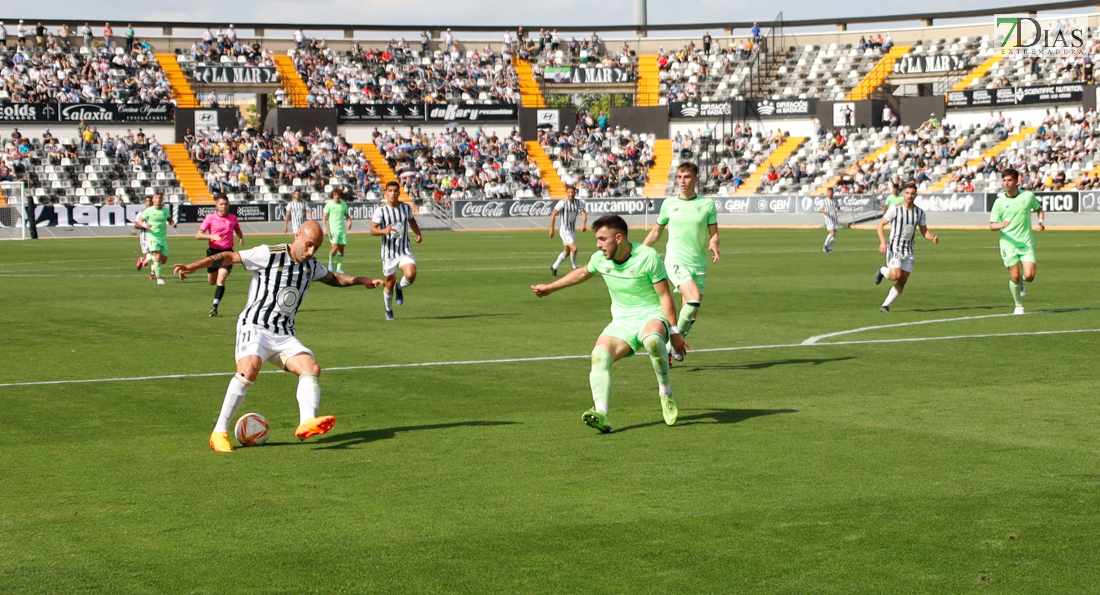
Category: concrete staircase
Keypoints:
(997, 149)
(649, 82)
(188, 175)
(778, 156)
(549, 175)
(529, 91)
(885, 67)
(181, 88)
(883, 150)
(296, 90)
(990, 62)
(381, 166)
(656, 185)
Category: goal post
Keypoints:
(13, 211)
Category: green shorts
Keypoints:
(1012, 254)
(338, 236)
(678, 274)
(155, 244)
(630, 328)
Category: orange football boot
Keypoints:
(315, 426)
(219, 441)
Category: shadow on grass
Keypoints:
(339, 441)
(712, 416)
(953, 309)
(457, 316)
(763, 365)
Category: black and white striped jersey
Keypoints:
(832, 211)
(278, 286)
(568, 213)
(397, 243)
(297, 212)
(903, 228)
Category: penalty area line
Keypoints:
(553, 358)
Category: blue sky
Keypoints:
(466, 13)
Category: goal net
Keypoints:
(12, 200)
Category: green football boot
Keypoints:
(595, 419)
(669, 410)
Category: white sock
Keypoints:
(894, 293)
(387, 298)
(309, 397)
(234, 396)
(885, 271)
(829, 240)
(404, 283)
(561, 259)
(573, 259)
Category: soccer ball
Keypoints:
(252, 429)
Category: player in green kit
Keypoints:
(155, 221)
(641, 306)
(894, 198)
(692, 222)
(336, 223)
(1011, 215)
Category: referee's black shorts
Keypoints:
(214, 269)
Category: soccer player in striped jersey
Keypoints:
(281, 276)
(337, 222)
(218, 228)
(692, 222)
(393, 221)
(297, 213)
(641, 308)
(143, 241)
(831, 210)
(568, 210)
(904, 220)
(1011, 215)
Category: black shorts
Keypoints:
(213, 251)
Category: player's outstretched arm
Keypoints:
(881, 229)
(553, 217)
(344, 280)
(584, 221)
(654, 235)
(668, 307)
(1042, 224)
(416, 229)
(928, 235)
(575, 277)
(219, 259)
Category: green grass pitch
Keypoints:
(941, 466)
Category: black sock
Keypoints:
(219, 291)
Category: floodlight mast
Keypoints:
(640, 17)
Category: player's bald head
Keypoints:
(306, 242)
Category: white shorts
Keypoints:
(568, 236)
(268, 346)
(390, 266)
(831, 224)
(144, 242)
(904, 263)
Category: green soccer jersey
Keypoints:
(631, 283)
(336, 211)
(688, 224)
(158, 220)
(1017, 211)
(894, 200)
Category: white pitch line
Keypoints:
(552, 358)
(815, 339)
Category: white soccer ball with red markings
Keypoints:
(252, 429)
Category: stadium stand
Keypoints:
(105, 170)
(1022, 70)
(398, 73)
(831, 72)
(690, 74)
(599, 164)
(250, 167)
(82, 75)
(460, 165)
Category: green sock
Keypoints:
(1014, 287)
(687, 317)
(156, 268)
(330, 262)
(600, 379)
(658, 356)
(340, 261)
